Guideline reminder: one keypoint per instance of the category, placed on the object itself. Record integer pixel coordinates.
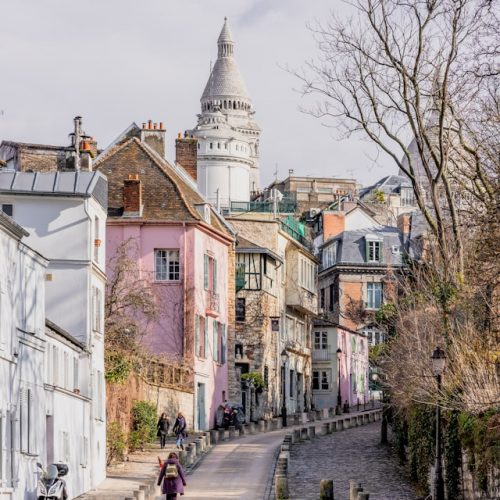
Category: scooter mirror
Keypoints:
(39, 465)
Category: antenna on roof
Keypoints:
(276, 173)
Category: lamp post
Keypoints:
(438, 362)
(284, 359)
(339, 394)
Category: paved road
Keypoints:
(350, 454)
(237, 469)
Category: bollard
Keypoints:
(326, 489)
(371, 417)
(296, 436)
(203, 442)
(363, 496)
(304, 418)
(232, 432)
(189, 455)
(222, 435)
(303, 434)
(268, 425)
(279, 423)
(333, 426)
(183, 457)
(139, 495)
(340, 425)
(319, 415)
(208, 439)
(262, 425)
(197, 443)
(325, 428)
(347, 422)
(281, 488)
(243, 430)
(251, 427)
(326, 413)
(311, 431)
(213, 436)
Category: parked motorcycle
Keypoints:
(51, 486)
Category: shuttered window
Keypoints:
(215, 340)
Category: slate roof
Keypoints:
(11, 225)
(78, 184)
(55, 330)
(351, 247)
(388, 185)
(247, 246)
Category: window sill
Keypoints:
(167, 282)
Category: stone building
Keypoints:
(360, 263)
(311, 194)
(227, 133)
(185, 250)
(276, 302)
(29, 157)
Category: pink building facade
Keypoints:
(186, 251)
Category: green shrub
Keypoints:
(143, 429)
(115, 443)
(256, 378)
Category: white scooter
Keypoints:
(51, 486)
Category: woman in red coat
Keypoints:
(173, 477)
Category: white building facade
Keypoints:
(227, 133)
(65, 214)
(22, 344)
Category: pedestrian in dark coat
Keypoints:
(171, 487)
(163, 426)
(180, 431)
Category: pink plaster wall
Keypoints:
(181, 301)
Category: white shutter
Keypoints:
(23, 420)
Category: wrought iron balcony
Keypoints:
(322, 354)
(212, 303)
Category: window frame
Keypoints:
(374, 290)
(168, 262)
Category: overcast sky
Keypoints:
(118, 61)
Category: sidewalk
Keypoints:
(135, 478)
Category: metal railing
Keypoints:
(321, 354)
(212, 301)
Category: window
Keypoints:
(374, 295)
(215, 340)
(321, 380)
(373, 251)
(26, 419)
(8, 209)
(301, 332)
(167, 267)
(290, 328)
(303, 189)
(250, 266)
(320, 340)
(329, 255)
(266, 376)
(66, 370)
(76, 374)
(292, 383)
(407, 197)
(240, 309)
(322, 298)
(55, 365)
(209, 273)
(307, 275)
(201, 332)
(325, 190)
(96, 309)
(331, 297)
(97, 241)
(211, 145)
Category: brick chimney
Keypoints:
(186, 154)
(404, 224)
(333, 224)
(132, 196)
(153, 134)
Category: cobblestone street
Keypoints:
(350, 454)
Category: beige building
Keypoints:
(276, 302)
(312, 194)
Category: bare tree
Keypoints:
(415, 79)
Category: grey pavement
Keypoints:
(240, 469)
(351, 454)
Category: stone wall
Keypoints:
(121, 397)
(470, 487)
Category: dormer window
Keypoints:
(373, 249)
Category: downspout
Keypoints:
(184, 322)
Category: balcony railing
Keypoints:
(212, 303)
(321, 354)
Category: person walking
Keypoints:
(163, 426)
(172, 476)
(180, 430)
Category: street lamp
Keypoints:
(438, 362)
(284, 359)
(339, 394)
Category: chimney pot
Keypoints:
(179, 135)
(161, 126)
(150, 124)
(155, 126)
(143, 125)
